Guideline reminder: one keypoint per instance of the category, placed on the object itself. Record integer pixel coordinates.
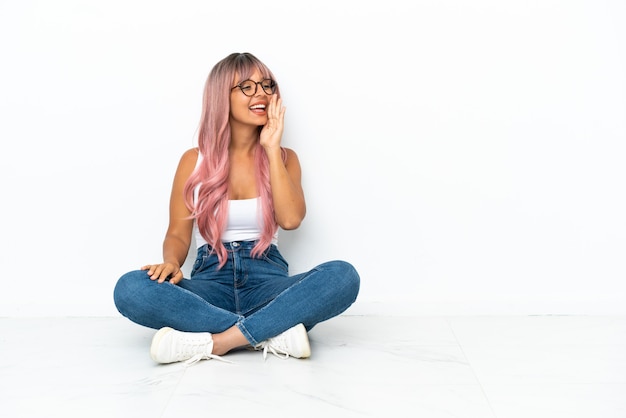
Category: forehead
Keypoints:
(250, 74)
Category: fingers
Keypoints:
(279, 111)
(161, 272)
(174, 279)
(281, 115)
(272, 131)
(276, 108)
(271, 108)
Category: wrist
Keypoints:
(174, 263)
(273, 151)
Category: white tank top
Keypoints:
(244, 222)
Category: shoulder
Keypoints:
(290, 155)
(188, 161)
(190, 157)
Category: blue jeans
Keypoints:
(256, 294)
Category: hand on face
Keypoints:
(272, 132)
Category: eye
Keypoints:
(246, 85)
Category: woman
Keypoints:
(231, 194)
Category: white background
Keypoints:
(466, 157)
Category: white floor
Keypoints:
(361, 366)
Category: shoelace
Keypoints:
(275, 349)
(199, 347)
(193, 360)
(268, 347)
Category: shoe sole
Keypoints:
(302, 334)
(156, 340)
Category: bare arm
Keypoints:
(288, 196)
(178, 236)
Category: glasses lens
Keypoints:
(248, 87)
(268, 86)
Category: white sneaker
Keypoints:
(294, 342)
(169, 346)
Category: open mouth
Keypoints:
(258, 107)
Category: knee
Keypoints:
(347, 276)
(127, 287)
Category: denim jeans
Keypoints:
(255, 294)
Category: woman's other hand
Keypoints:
(163, 271)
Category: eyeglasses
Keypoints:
(249, 87)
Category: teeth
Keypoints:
(259, 106)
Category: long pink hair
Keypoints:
(210, 209)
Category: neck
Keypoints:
(243, 140)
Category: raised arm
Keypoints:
(285, 178)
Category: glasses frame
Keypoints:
(256, 86)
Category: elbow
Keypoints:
(291, 222)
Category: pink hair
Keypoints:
(210, 210)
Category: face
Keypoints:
(249, 110)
